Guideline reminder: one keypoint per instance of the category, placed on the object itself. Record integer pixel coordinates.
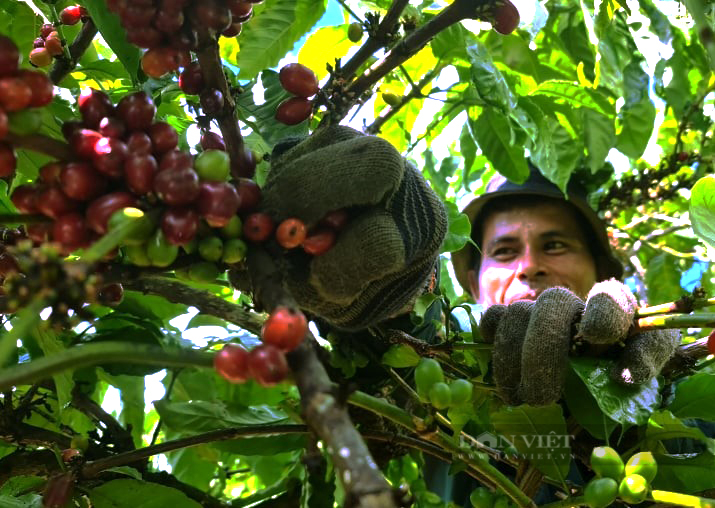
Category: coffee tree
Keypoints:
(135, 138)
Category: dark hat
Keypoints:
(607, 265)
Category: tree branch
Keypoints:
(326, 416)
(64, 65)
(41, 144)
(205, 301)
(212, 70)
(99, 353)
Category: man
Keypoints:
(544, 268)
(531, 238)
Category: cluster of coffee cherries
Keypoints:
(31, 273)
(291, 233)
(21, 91)
(127, 167)
(283, 331)
(49, 44)
(167, 28)
(302, 83)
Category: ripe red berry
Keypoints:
(180, 225)
(71, 231)
(111, 294)
(163, 137)
(41, 86)
(683, 156)
(335, 220)
(319, 243)
(291, 233)
(267, 365)
(109, 156)
(244, 165)
(78, 180)
(93, 106)
(111, 127)
(137, 111)
(294, 110)
(24, 197)
(249, 194)
(177, 188)
(4, 124)
(506, 18)
(139, 143)
(8, 161)
(241, 10)
(258, 227)
(217, 202)
(191, 80)
(212, 141)
(82, 142)
(159, 61)
(54, 203)
(53, 44)
(211, 101)
(9, 56)
(71, 15)
(299, 80)
(101, 209)
(285, 328)
(139, 172)
(15, 94)
(231, 363)
(711, 342)
(46, 30)
(175, 160)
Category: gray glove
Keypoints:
(384, 257)
(532, 340)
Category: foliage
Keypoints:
(619, 97)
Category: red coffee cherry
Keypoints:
(72, 15)
(294, 110)
(291, 233)
(506, 18)
(267, 365)
(258, 227)
(9, 56)
(231, 363)
(285, 328)
(711, 342)
(298, 80)
(40, 57)
(320, 242)
(335, 220)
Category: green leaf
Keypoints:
(489, 83)
(458, 231)
(540, 435)
(323, 47)
(114, 34)
(663, 425)
(685, 474)
(273, 31)
(575, 95)
(663, 279)
(50, 343)
(584, 408)
(451, 43)
(695, 397)
(34, 501)
(492, 131)
(599, 138)
(627, 406)
(205, 320)
(637, 126)
(126, 471)
(16, 485)
(702, 209)
(128, 493)
(202, 416)
(400, 355)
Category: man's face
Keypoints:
(526, 250)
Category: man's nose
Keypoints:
(530, 266)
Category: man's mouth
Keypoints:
(528, 295)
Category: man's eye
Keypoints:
(502, 252)
(555, 245)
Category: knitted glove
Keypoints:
(532, 340)
(384, 257)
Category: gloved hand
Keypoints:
(383, 258)
(532, 340)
